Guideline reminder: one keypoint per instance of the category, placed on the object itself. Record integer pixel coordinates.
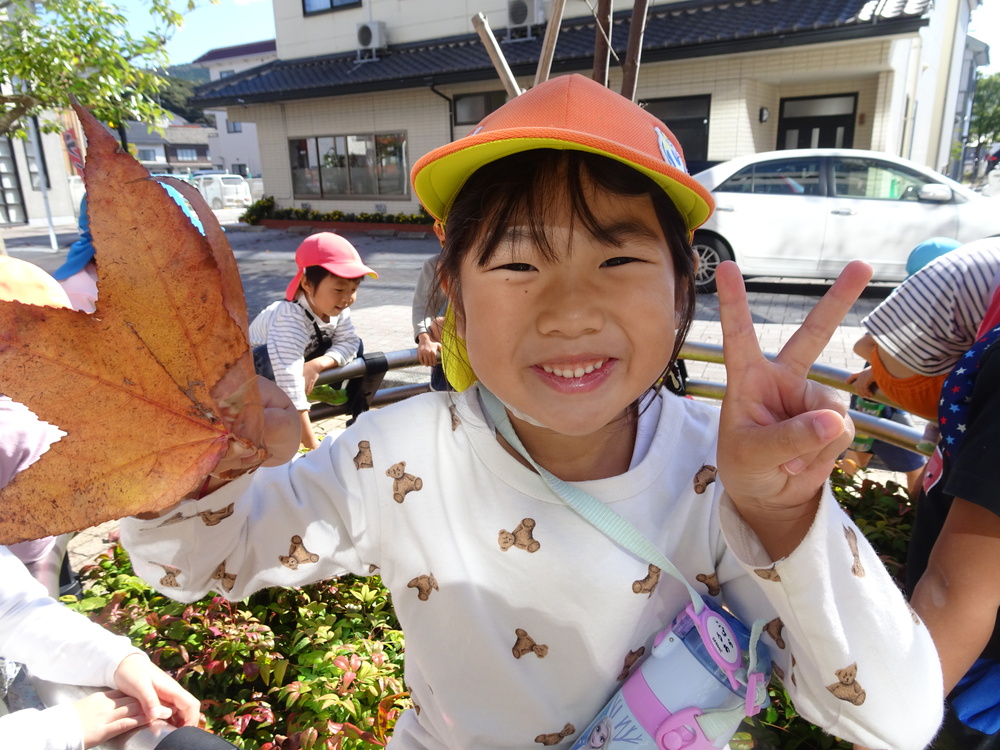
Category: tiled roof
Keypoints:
(237, 50)
(676, 31)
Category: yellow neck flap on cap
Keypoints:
(454, 355)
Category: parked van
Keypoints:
(223, 190)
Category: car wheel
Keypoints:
(711, 252)
(216, 203)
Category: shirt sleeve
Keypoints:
(311, 519)
(287, 339)
(854, 657)
(55, 642)
(426, 298)
(56, 728)
(345, 341)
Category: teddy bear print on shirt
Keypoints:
(768, 574)
(852, 541)
(208, 517)
(630, 659)
(424, 585)
(403, 483)
(363, 459)
(705, 476)
(847, 687)
(773, 629)
(711, 581)
(648, 584)
(226, 580)
(557, 737)
(525, 644)
(170, 579)
(297, 555)
(520, 537)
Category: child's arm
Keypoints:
(346, 341)
(959, 593)
(780, 433)
(863, 382)
(427, 350)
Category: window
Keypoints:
(234, 127)
(187, 154)
(226, 73)
(687, 117)
(349, 165)
(784, 177)
(147, 154)
(240, 169)
(869, 178)
(471, 108)
(322, 6)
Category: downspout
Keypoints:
(451, 112)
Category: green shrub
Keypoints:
(316, 667)
(265, 208)
(321, 666)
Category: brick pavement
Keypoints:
(382, 312)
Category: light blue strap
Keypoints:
(714, 723)
(593, 510)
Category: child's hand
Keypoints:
(427, 350)
(104, 715)
(159, 696)
(863, 382)
(780, 433)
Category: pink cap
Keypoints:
(332, 252)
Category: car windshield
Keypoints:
(232, 180)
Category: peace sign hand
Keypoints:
(780, 432)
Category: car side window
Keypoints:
(781, 177)
(869, 178)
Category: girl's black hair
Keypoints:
(522, 188)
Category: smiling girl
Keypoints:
(570, 277)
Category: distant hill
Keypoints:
(188, 73)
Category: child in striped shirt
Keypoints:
(295, 339)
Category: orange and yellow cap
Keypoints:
(569, 112)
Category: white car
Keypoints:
(805, 213)
(223, 190)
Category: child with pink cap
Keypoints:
(297, 338)
(568, 267)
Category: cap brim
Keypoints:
(439, 176)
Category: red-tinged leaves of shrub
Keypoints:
(149, 389)
(216, 666)
(251, 670)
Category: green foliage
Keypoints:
(57, 48)
(176, 94)
(265, 208)
(985, 125)
(321, 667)
(310, 668)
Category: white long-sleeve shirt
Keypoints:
(288, 329)
(56, 644)
(499, 584)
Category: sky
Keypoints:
(241, 21)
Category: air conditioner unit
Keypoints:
(371, 35)
(523, 14)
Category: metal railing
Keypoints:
(372, 368)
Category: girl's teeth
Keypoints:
(578, 372)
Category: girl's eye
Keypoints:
(619, 261)
(517, 267)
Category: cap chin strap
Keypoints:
(713, 722)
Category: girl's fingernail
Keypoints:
(795, 466)
(827, 426)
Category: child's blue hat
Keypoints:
(927, 251)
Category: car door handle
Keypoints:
(843, 211)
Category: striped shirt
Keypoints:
(930, 320)
(289, 330)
